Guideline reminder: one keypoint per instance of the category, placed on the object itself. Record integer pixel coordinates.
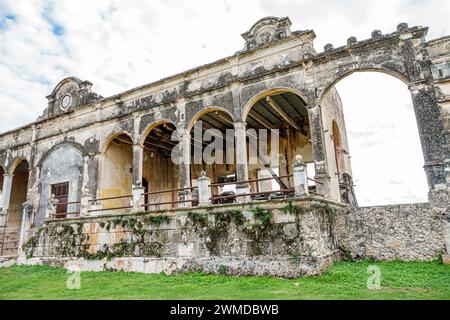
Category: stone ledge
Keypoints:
(8, 261)
(230, 265)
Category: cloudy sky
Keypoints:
(120, 44)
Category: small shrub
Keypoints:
(263, 215)
(291, 208)
(197, 218)
(223, 270)
(158, 220)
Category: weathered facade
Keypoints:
(107, 157)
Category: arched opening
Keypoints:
(117, 172)
(285, 112)
(18, 196)
(61, 175)
(213, 150)
(384, 144)
(340, 170)
(159, 172)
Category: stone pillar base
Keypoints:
(138, 199)
(242, 189)
(184, 196)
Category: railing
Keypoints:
(204, 195)
(149, 204)
(248, 181)
(63, 215)
(109, 199)
(241, 195)
(271, 193)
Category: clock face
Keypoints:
(66, 102)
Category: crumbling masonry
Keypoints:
(92, 184)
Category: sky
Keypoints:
(121, 44)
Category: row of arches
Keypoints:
(281, 108)
(276, 110)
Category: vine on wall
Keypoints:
(70, 241)
(215, 228)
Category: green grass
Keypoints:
(346, 280)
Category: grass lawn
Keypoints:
(346, 280)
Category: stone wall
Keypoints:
(277, 237)
(404, 232)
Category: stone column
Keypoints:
(184, 168)
(241, 161)
(27, 212)
(137, 190)
(138, 162)
(85, 204)
(319, 153)
(204, 190)
(429, 122)
(86, 197)
(7, 186)
(300, 177)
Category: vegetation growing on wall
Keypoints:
(69, 240)
(198, 219)
(260, 231)
(220, 231)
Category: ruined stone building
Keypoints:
(93, 177)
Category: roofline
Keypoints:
(295, 34)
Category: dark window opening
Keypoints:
(61, 192)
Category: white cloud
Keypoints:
(122, 44)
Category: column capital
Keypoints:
(240, 124)
(183, 132)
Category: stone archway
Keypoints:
(116, 173)
(155, 169)
(14, 198)
(402, 54)
(61, 173)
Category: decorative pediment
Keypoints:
(69, 94)
(267, 30)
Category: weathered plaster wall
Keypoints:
(117, 174)
(403, 232)
(18, 196)
(63, 165)
(162, 174)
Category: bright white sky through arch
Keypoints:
(121, 44)
(387, 158)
